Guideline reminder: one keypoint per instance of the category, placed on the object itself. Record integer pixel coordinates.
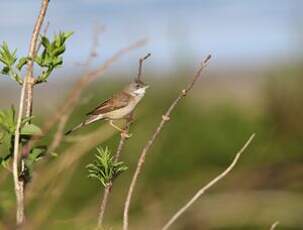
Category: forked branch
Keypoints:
(165, 119)
(208, 186)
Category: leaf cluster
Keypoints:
(7, 129)
(49, 59)
(7, 132)
(104, 168)
(51, 56)
(9, 59)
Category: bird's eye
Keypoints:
(137, 86)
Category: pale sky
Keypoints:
(235, 31)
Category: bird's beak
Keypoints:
(146, 86)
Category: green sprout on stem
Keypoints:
(104, 168)
(9, 58)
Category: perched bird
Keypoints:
(116, 107)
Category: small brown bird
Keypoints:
(116, 107)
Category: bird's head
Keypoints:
(136, 88)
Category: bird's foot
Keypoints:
(125, 134)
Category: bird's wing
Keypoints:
(117, 101)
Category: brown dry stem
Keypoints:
(208, 186)
(165, 119)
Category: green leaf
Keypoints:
(7, 120)
(4, 160)
(37, 153)
(26, 120)
(30, 129)
(58, 51)
(67, 35)
(7, 57)
(21, 63)
(5, 70)
(45, 42)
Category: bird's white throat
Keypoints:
(140, 92)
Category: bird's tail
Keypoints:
(75, 128)
(89, 120)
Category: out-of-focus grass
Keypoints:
(198, 143)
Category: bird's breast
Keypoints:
(122, 112)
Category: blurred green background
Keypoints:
(249, 87)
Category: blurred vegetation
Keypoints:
(198, 143)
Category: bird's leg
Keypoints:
(111, 122)
(129, 120)
(130, 117)
(122, 131)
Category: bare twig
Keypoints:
(95, 43)
(59, 133)
(27, 85)
(44, 34)
(274, 225)
(103, 205)
(141, 60)
(18, 184)
(123, 140)
(119, 149)
(31, 55)
(165, 119)
(208, 186)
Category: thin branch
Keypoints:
(274, 225)
(103, 205)
(141, 60)
(59, 133)
(208, 186)
(31, 55)
(165, 119)
(19, 185)
(95, 43)
(44, 34)
(123, 139)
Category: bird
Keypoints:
(119, 106)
